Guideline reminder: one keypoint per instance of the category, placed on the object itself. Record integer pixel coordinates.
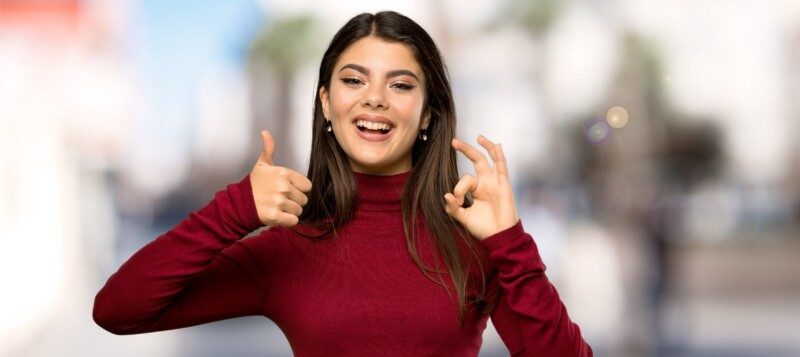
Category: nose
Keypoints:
(374, 97)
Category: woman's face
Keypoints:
(376, 85)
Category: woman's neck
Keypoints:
(380, 192)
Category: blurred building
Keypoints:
(653, 147)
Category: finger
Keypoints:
(299, 180)
(294, 180)
(465, 184)
(477, 158)
(452, 207)
(295, 195)
(290, 207)
(286, 219)
(501, 160)
(268, 149)
(276, 217)
(489, 146)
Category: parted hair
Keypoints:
(332, 199)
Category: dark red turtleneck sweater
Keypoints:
(359, 293)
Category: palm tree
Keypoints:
(793, 177)
(276, 55)
(535, 18)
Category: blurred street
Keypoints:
(653, 148)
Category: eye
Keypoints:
(351, 81)
(403, 86)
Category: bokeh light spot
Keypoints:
(617, 117)
(597, 131)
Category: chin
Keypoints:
(368, 153)
(371, 162)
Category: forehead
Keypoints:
(380, 56)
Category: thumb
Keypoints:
(269, 148)
(453, 208)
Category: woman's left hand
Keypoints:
(493, 208)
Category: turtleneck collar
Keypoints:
(379, 192)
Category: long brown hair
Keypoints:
(331, 201)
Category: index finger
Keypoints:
(477, 158)
(298, 180)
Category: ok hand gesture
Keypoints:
(278, 191)
(493, 208)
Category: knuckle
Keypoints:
(283, 186)
(271, 213)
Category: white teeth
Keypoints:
(373, 125)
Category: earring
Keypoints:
(329, 128)
(423, 134)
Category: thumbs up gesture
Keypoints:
(279, 192)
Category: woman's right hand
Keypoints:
(278, 191)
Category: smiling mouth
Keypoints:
(379, 131)
(374, 129)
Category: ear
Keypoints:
(426, 118)
(325, 99)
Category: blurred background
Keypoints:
(654, 147)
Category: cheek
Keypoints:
(410, 109)
(341, 102)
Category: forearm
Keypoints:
(148, 282)
(530, 315)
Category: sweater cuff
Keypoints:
(248, 210)
(501, 238)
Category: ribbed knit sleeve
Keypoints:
(530, 317)
(197, 272)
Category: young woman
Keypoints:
(381, 249)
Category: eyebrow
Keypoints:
(390, 74)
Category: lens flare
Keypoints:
(597, 131)
(617, 117)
